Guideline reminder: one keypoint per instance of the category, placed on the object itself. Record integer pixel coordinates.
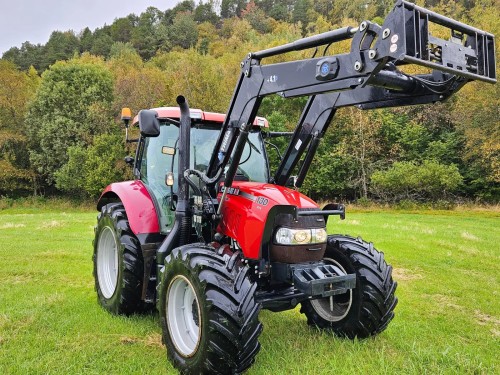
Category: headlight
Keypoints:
(287, 236)
(318, 235)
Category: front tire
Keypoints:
(118, 264)
(365, 310)
(208, 311)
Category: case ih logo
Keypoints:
(231, 190)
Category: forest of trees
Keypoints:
(60, 102)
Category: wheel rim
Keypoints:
(183, 316)
(333, 308)
(107, 262)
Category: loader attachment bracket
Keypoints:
(407, 37)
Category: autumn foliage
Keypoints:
(60, 102)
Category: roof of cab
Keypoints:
(174, 112)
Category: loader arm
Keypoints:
(368, 77)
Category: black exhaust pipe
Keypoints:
(184, 156)
(181, 230)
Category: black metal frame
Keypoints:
(367, 77)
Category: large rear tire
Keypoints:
(118, 264)
(365, 310)
(208, 311)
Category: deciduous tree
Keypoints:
(71, 97)
(16, 90)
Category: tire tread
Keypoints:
(377, 296)
(232, 320)
(129, 287)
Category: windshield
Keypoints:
(155, 162)
(253, 165)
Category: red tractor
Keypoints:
(206, 235)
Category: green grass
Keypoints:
(447, 321)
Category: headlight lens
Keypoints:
(318, 235)
(287, 236)
(284, 236)
(302, 236)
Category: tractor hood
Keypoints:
(246, 209)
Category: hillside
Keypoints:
(59, 102)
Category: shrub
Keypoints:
(408, 180)
(89, 171)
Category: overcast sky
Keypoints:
(34, 20)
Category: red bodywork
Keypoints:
(138, 204)
(174, 112)
(244, 213)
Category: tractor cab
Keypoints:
(157, 152)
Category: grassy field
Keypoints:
(447, 321)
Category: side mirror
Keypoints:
(148, 123)
(292, 180)
(129, 160)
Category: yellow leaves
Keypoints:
(88, 58)
(237, 30)
(139, 88)
(16, 89)
(321, 25)
(484, 143)
(206, 30)
(217, 48)
(13, 178)
(7, 136)
(206, 82)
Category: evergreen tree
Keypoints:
(61, 46)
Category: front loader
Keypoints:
(207, 236)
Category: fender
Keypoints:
(141, 212)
